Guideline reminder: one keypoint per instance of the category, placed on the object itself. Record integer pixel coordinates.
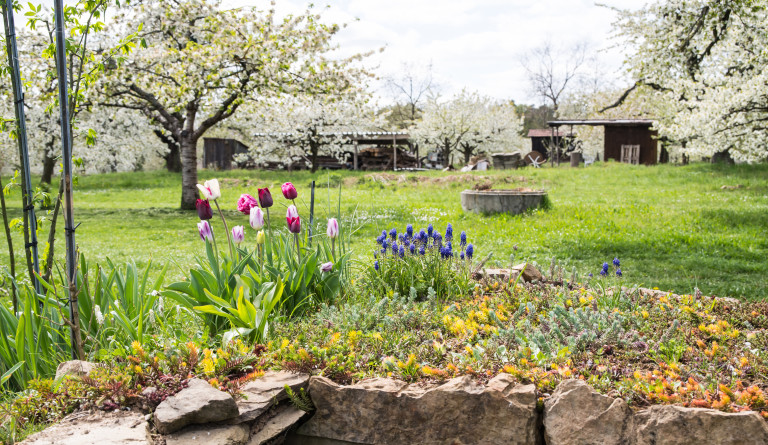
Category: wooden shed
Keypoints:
(633, 141)
(541, 138)
(218, 153)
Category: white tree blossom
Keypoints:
(466, 123)
(709, 59)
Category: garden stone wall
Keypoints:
(388, 411)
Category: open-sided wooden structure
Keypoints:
(633, 141)
(218, 152)
(541, 138)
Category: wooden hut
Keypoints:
(633, 141)
(218, 153)
(541, 138)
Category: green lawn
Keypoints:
(672, 227)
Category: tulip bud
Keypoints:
(260, 237)
(333, 228)
(326, 267)
(204, 209)
(238, 234)
(210, 189)
(257, 218)
(292, 212)
(294, 224)
(246, 203)
(204, 229)
(289, 191)
(265, 198)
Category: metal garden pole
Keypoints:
(21, 135)
(311, 212)
(66, 149)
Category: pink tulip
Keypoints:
(292, 212)
(333, 228)
(257, 218)
(246, 203)
(204, 229)
(294, 224)
(289, 191)
(238, 234)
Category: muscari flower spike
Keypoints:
(394, 249)
(616, 262)
(463, 238)
(461, 255)
(470, 251)
(449, 232)
(393, 234)
(604, 271)
(429, 230)
(376, 265)
(412, 248)
(422, 250)
(402, 251)
(618, 272)
(409, 230)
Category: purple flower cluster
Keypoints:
(425, 240)
(606, 266)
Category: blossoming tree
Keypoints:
(466, 123)
(200, 63)
(708, 58)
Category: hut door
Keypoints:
(630, 154)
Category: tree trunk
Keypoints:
(313, 148)
(173, 156)
(11, 258)
(49, 162)
(188, 172)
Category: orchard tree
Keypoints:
(708, 59)
(199, 63)
(310, 124)
(553, 70)
(467, 122)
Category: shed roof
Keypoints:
(547, 132)
(604, 122)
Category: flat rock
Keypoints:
(529, 272)
(117, 428)
(576, 414)
(260, 394)
(677, 425)
(461, 411)
(198, 403)
(210, 435)
(74, 368)
(283, 420)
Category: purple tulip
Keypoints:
(246, 203)
(204, 229)
(289, 191)
(204, 209)
(265, 198)
(293, 220)
(326, 267)
(238, 234)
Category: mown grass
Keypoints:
(672, 227)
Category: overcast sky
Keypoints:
(471, 43)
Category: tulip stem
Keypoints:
(215, 247)
(333, 249)
(298, 249)
(226, 230)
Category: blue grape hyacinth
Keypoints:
(616, 262)
(430, 229)
(409, 230)
(463, 238)
(470, 251)
(449, 232)
(376, 265)
(604, 270)
(393, 234)
(402, 251)
(422, 250)
(618, 272)
(412, 248)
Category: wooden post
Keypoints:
(311, 212)
(394, 152)
(354, 156)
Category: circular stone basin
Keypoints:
(501, 201)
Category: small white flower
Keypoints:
(99, 315)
